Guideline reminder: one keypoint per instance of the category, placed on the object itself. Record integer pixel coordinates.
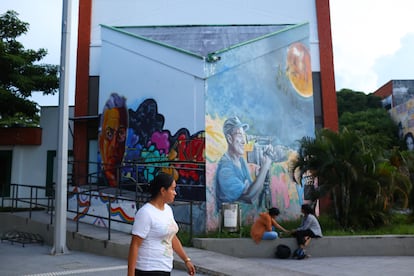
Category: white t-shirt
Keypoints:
(157, 229)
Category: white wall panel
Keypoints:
(213, 12)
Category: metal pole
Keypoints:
(59, 246)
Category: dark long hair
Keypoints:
(307, 209)
(274, 211)
(161, 180)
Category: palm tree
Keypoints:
(363, 182)
(400, 184)
(334, 159)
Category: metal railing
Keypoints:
(36, 197)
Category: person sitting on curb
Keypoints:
(264, 226)
(309, 228)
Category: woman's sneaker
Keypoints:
(301, 255)
(295, 253)
(298, 253)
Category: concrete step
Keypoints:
(214, 256)
(93, 239)
(330, 246)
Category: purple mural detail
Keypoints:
(160, 139)
(151, 148)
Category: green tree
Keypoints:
(407, 159)
(331, 157)
(21, 75)
(374, 125)
(354, 101)
(365, 115)
(384, 186)
(364, 182)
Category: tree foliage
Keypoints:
(365, 115)
(364, 183)
(355, 101)
(361, 168)
(21, 74)
(375, 126)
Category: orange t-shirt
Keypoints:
(262, 224)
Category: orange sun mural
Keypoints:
(299, 69)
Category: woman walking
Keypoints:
(154, 233)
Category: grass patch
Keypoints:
(400, 224)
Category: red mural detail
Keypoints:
(81, 214)
(192, 174)
(105, 198)
(118, 211)
(190, 150)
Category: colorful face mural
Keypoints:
(112, 137)
(150, 148)
(255, 116)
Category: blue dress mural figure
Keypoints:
(233, 177)
(232, 180)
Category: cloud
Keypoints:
(399, 65)
(362, 33)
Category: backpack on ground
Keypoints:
(282, 251)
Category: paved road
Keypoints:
(36, 260)
(346, 266)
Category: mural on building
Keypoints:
(403, 110)
(147, 148)
(402, 91)
(94, 207)
(255, 116)
(134, 151)
(112, 135)
(403, 115)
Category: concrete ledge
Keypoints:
(94, 241)
(10, 222)
(332, 246)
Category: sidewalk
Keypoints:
(88, 249)
(36, 260)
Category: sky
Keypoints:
(373, 40)
(45, 31)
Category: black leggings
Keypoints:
(151, 273)
(301, 234)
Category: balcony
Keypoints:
(31, 136)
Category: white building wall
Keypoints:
(49, 122)
(29, 163)
(192, 12)
(125, 68)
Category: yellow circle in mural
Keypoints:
(299, 69)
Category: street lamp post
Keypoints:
(59, 246)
